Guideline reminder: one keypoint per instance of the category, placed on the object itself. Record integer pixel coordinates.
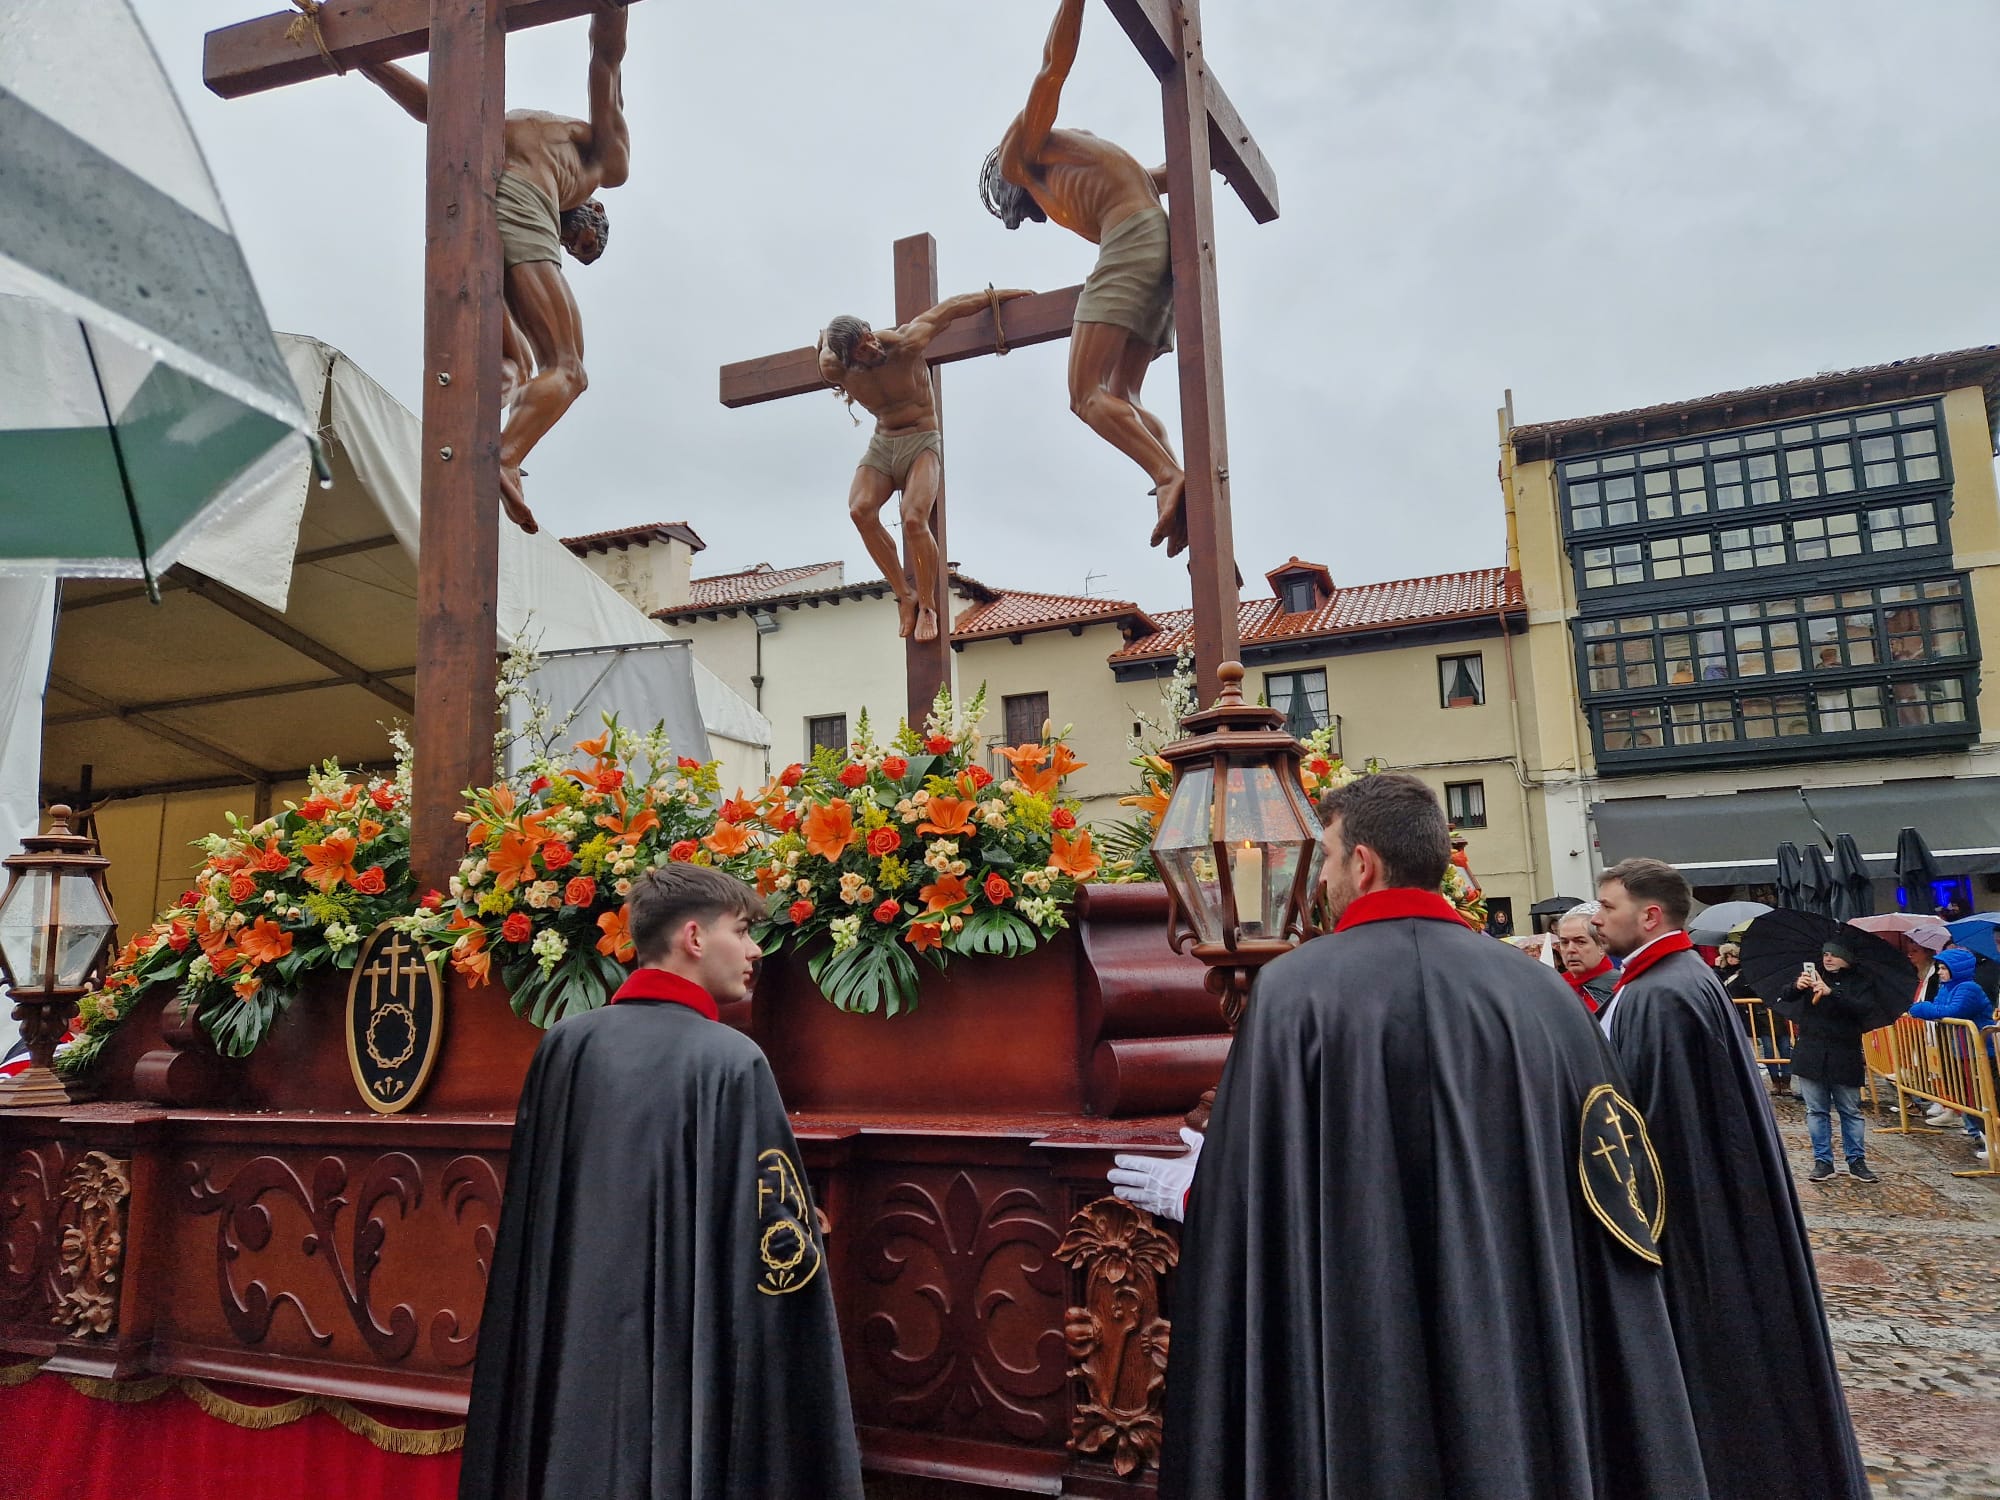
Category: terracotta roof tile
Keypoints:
(760, 582)
(1927, 374)
(1364, 607)
(626, 536)
(1015, 612)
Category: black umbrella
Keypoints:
(1916, 869)
(1853, 888)
(1780, 944)
(1816, 884)
(1554, 906)
(1790, 884)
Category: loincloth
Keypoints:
(530, 228)
(894, 456)
(1132, 284)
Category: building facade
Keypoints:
(1756, 617)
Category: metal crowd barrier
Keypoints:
(1770, 1036)
(1947, 1062)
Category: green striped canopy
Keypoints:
(141, 390)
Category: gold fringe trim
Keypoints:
(422, 1442)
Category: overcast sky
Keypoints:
(1597, 205)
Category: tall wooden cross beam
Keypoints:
(1026, 320)
(1204, 133)
(458, 562)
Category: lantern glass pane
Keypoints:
(24, 929)
(1186, 856)
(85, 925)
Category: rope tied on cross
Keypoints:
(306, 24)
(999, 332)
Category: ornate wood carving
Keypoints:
(1117, 1337)
(92, 1254)
(245, 1224)
(469, 1181)
(30, 1212)
(961, 1321)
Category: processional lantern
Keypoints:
(55, 925)
(1238, 846)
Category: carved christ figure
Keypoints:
(886, 372)
(1125, 316)
(547, 201)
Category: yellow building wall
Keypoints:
(1975, 539)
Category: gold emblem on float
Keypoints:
(788, 1251)
(1620, 1173)
(395, 1021)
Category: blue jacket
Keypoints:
(1961, 1000)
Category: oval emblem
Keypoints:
(395, 1021)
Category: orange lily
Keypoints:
(617, 939)
(627, 830)
(265, 942)
(1074, 859)
(1064, 762)
(514, 861)
(1025, 757)
(330, 861)
(948, 815)
(738, 809)
(369, 830)
(924, 935)
(270, 859)
(830, 829)
(215, 944)
(481, 829)
(728, 839)
(767, 879)
(247, 986)
(946, 892)
(1153, 803)
(595, 748)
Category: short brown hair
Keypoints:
(1655, 882)
(1399, 818)
(668, 895)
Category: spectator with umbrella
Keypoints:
(1834, 983)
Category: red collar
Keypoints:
(1401, 901)
(1578, 981)
(1673, 942)
(658, 984)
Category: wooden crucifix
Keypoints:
(1028, 320)
(1204, 133)
(459, 539)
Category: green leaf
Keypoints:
(997, 857)
(994, 932)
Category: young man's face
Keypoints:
(726, 956)
(1623, 923)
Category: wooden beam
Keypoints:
(458, 547)
(169, 584)
(1198, 329)
(1039, 319)
(98, 797)
(280, 629)
(927, 664)
(207, 749)
(1232, 150)
(269, 52)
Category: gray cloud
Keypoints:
(1597, 206)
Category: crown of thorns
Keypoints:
(1008, 202)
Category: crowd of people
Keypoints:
(1460, 1224)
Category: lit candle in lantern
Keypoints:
(1246, 878)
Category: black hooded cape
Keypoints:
(1740, 1284)
(658, 1321)
(1392, 1280)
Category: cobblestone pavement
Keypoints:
(1910, 1267)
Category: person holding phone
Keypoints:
(1830, 1009)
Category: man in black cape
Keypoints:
(658, 1322)
(1740, 1285)
(1420, 1257)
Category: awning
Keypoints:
(1731, 838)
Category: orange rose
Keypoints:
(799, 911)
(518, 928)
(884, 841)
(555, 855)
(997, 889)
(241, 888)
(371, 881)
(888, 911)
(580, 891)
(369, 829)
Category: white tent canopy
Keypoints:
(288, 634)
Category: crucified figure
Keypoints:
(886, 372)
(1125, 315)
(547, 202)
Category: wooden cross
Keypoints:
(1026, 320)
(1203, 133)
(459, 539)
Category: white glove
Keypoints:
(1158, 1184)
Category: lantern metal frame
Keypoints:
(42, 1004)
(1232, 734)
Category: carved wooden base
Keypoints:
(34, 1085)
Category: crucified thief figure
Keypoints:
(887, 373)
(547, 199)
(1125, 316)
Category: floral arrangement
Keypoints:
(548, 861)
(273, 903)
(881, 857)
